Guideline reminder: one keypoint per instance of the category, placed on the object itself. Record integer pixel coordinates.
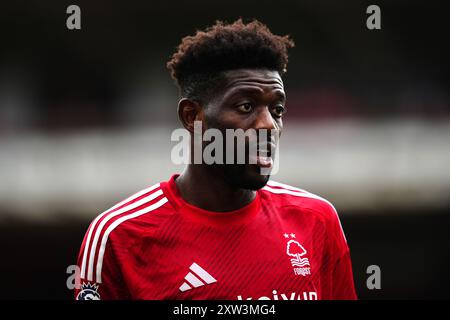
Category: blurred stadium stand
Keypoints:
(86, 118)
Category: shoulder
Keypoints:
(125, 220)
(118, 227)
(131, 212)
(288, 195)
(285, 195)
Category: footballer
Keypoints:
(222, 230)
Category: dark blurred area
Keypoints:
(73, 102)
(79, 79)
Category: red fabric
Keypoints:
(285, 244)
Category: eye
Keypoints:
(279, 110)
(245, 107)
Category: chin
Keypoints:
(246, 177)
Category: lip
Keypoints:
(264, 162)
(263, 157)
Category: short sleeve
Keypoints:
(110, 286)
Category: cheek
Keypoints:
(279, 125)
(211, 118)
(221, 119)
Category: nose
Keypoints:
(264, 120)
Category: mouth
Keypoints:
(264, 162)
(263, 157)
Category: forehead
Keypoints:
(266, 80)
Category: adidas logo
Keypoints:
(196, 278)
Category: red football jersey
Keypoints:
(287, 244)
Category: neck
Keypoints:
(207, 190)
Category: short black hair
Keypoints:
(197, 64)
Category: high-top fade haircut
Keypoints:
(198, 64)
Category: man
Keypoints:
(222, 230)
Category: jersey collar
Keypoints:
(191, 212)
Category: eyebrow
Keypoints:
(254, 90)
(281, 95)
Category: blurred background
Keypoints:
(86, 118)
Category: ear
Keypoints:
(189, 111)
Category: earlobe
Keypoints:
(189, 111)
